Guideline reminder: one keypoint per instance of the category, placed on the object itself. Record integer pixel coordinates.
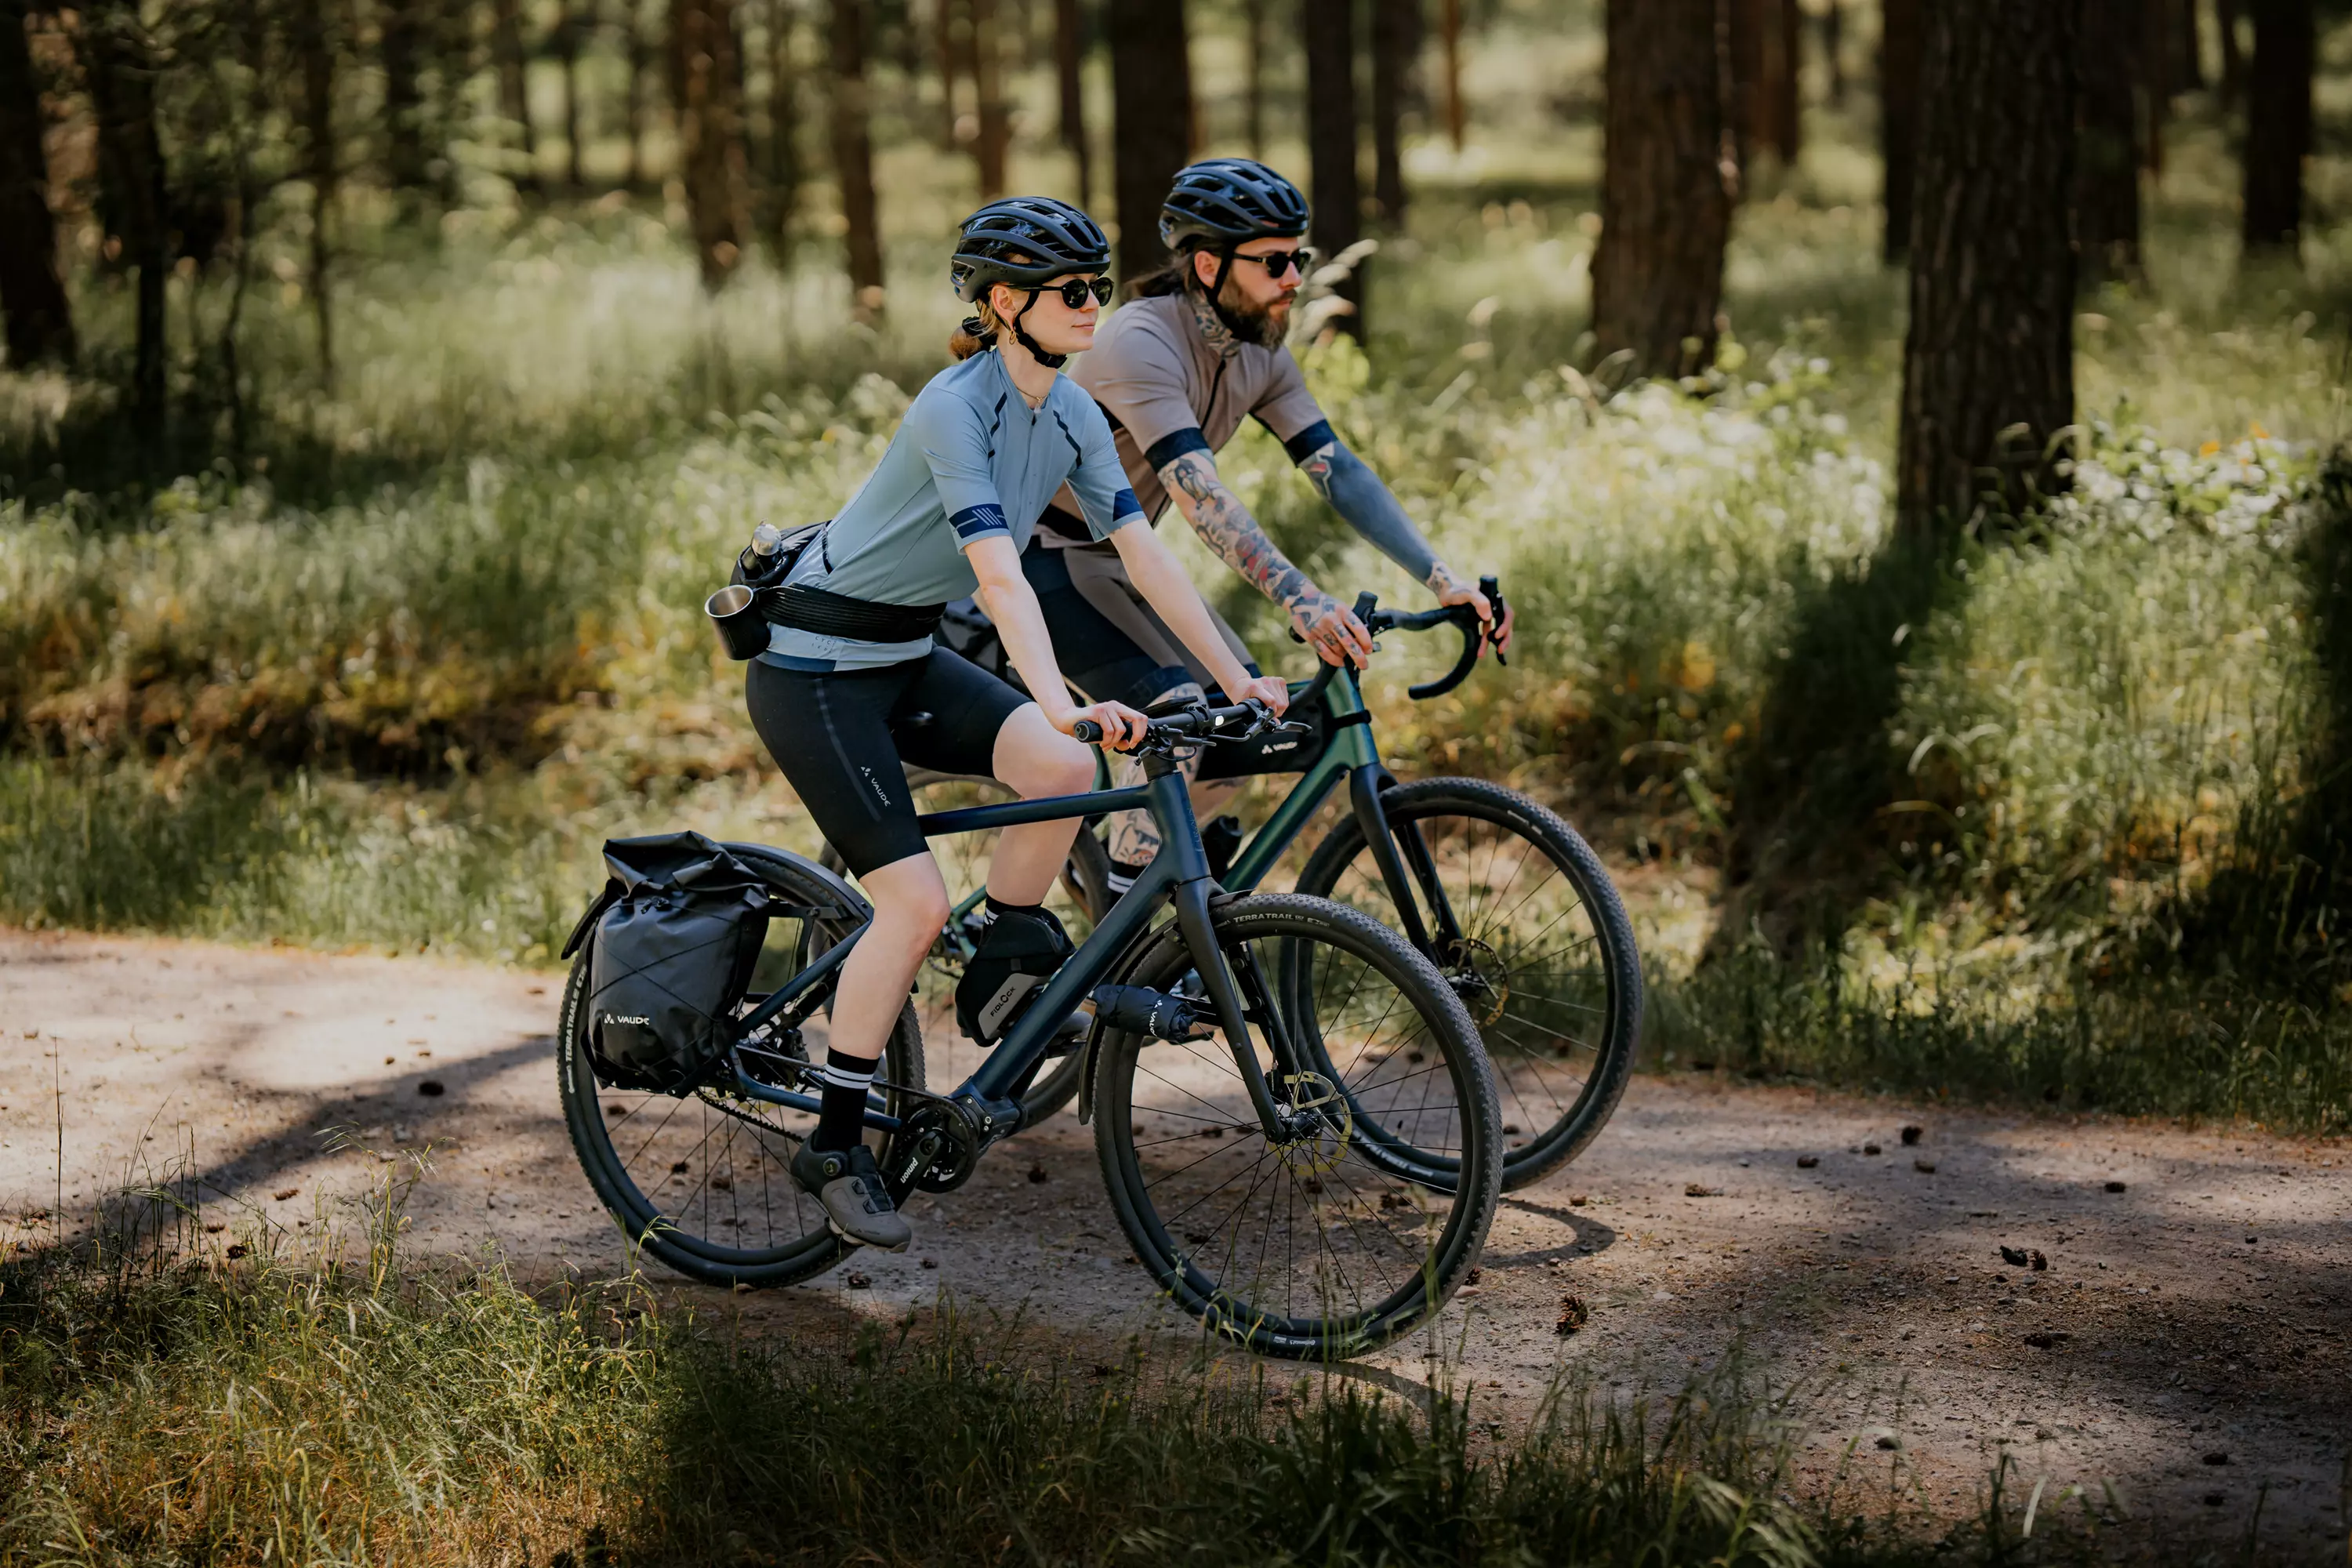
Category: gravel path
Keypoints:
(2185, 1353)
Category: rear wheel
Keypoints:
(1302, 1246)
(1544, 958)
(702, 1182)
(1078, 900)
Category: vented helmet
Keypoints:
(1026, 241)
(1220, 202)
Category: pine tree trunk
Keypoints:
(1833, 50)
(2233, 58)
(1069, 60)
(314, 47)
(1151, 123)
(2107, 179)
(710, 132)
(32, 294)
(1987, 362)
(1746, 22)
(640, 53)
(1337, 198)
(1394, 27)
(118, 64)
(1666, 184)
(1787, 96)
(1898, 121)
(2278, 123)
(988, 89)
(2187, 51)
(566, 44)
(1767, 46)
(1458, 118)
(948, 21)
(514, 95)
(853, 156)
(400, 39)
(783, 163)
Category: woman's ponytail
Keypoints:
(975, 334)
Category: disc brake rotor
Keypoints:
(1479, 978)
(1320, 1124)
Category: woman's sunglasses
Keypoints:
(1279, 262)
(1073, 293)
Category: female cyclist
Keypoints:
(852, 686)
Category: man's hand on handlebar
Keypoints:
(1116, 724)
(1451, 590)
(1330, 628)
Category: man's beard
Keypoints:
(1250, 321)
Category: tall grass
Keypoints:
(170, 1398)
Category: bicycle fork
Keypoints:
(1405, 863)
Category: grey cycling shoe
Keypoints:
(856, 1204)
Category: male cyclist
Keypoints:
(1177, 370)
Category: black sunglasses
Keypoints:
(1073, 293)
(1279, 262)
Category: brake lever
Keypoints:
(1492, 589)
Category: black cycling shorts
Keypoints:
(1113, 646)
(845, 738)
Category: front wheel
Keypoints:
(1539, 950)
(1302, 1246)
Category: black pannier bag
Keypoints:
(676, 935)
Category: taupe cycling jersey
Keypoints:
(1167, 393)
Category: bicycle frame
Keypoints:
(1178, 874)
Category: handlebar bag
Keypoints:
(1274, 753)
(674, 948)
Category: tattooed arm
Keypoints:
(1356, 493)
(1227, 527)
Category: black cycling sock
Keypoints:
(841, 1116)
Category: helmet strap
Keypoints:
(1217, 293)
(1036, 351)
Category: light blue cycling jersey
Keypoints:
(972, 460)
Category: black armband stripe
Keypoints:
(1310, 441)
(1174, 444)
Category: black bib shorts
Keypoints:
(845, 737)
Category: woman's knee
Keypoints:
(1035, 758)
(909, 904)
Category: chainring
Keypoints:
(954, 1142)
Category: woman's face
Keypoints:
(1058, 327)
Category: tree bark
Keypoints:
(710, 132)
(1766, 48)
(2233, 58)
(2183, 48)
(853, 157)
(400, 39)
(1898, 121)
(1458, 118)
(2278, 123)
(119, 65)
(2107, 179)
(988, 91)
(640, 54)
(1330, 26)
(314, 49)
(1987, 362)
(1833, 49)
(1151, 108)
(1394, 28)
(1667, 182)
(565, 42)
(783, 161)
(514, 94)
(946, 22)
(32, 294)
(1069, 59)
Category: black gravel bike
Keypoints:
(1495, 888)
(1295, 1120)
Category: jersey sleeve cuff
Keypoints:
(1310, 441)
(1174, 444)
(974, 523)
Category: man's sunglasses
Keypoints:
(1279, 262)
(1073, 293)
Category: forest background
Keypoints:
(1905, 432)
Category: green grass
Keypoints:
(169, 1395)
(385, 668)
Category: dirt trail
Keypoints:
(2189, 1345)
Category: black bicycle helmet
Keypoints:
(1220, 202)
(1026, 241)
